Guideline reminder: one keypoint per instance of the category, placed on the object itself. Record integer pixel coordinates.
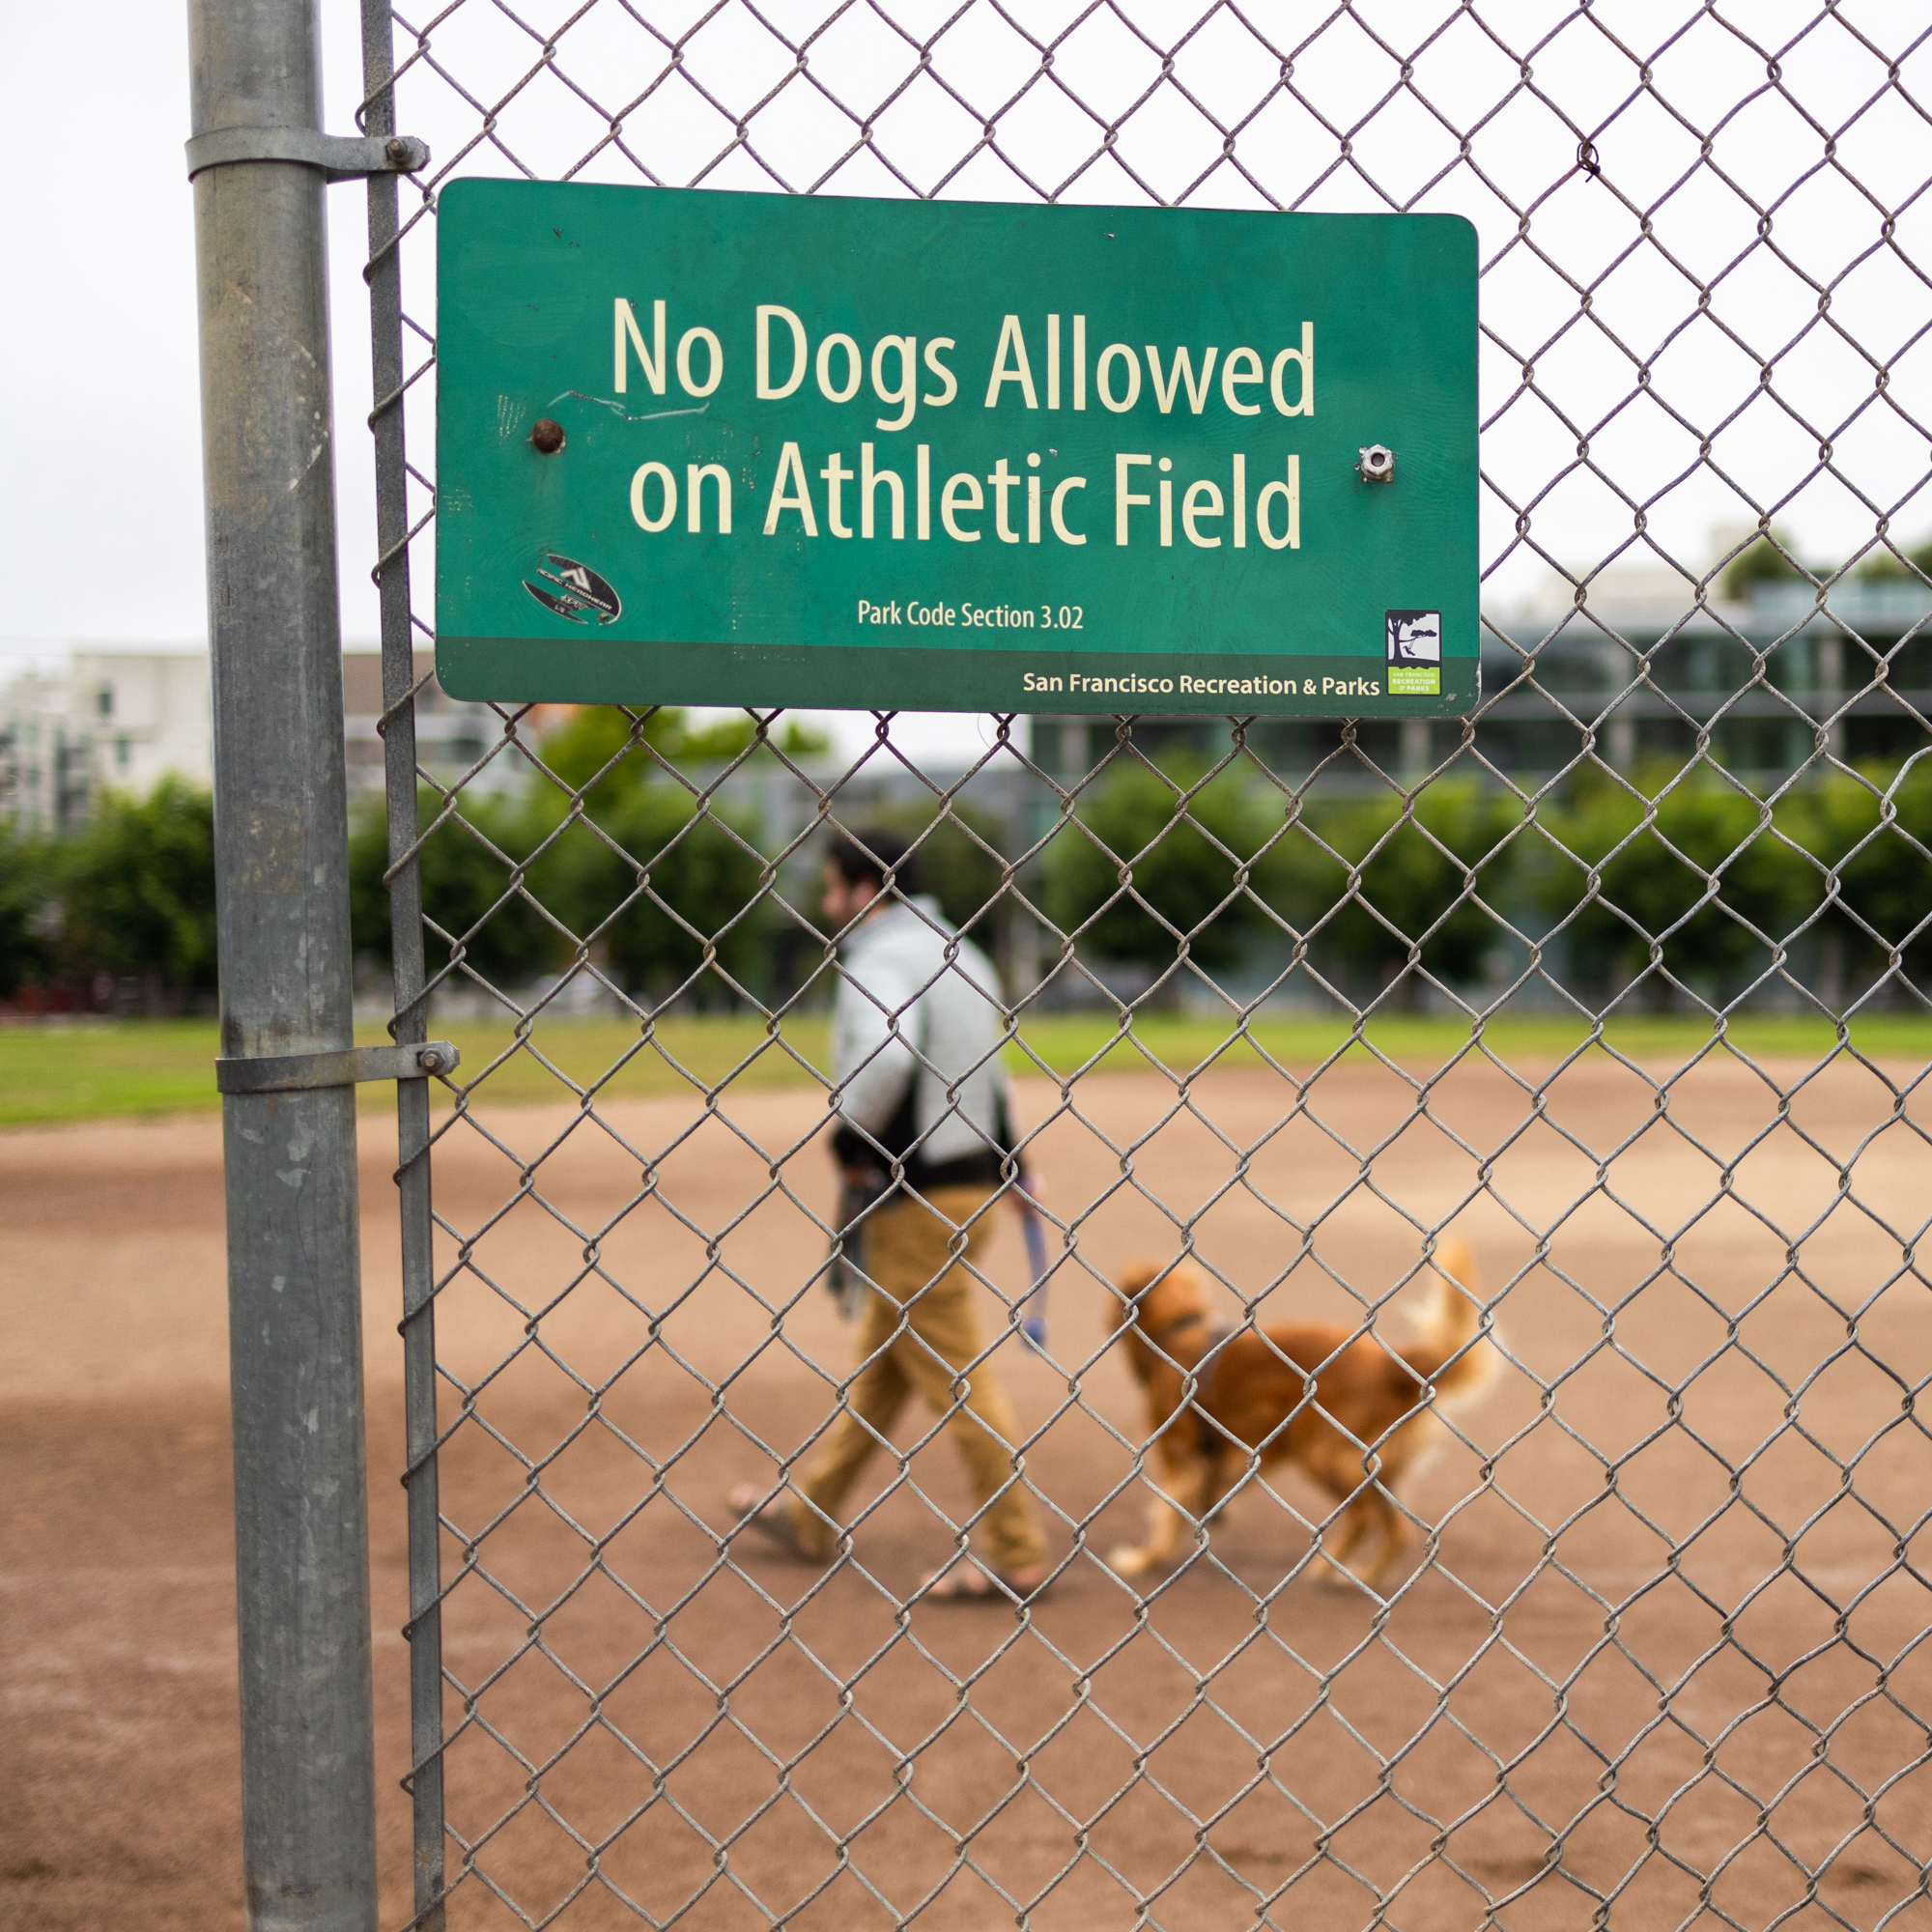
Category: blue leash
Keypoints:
(1032, 1327)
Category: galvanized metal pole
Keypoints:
(281, 854)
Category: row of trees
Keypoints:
(517, 877)
(1700, 868)
(1774, 558)
(1234, 865)
(130, 897)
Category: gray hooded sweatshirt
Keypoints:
(916, 1030)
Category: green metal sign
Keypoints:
(711, 448)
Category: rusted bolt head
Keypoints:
(430, 1060)
(547, 435)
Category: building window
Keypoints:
(123, 752)
(104, 700)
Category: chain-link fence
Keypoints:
(1607, 999)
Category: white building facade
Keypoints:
(452, 733)
(119, 720)
(124, 720)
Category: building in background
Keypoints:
(106, 718)
(1636, 656)
(452, 732)
(124, 720)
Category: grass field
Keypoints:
(91, 1070)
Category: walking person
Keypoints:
(915, 1039)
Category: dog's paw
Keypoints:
(1129, 1560)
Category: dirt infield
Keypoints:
(1673, 1440)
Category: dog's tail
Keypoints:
(1448, 1353)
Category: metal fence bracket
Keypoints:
(339, 157)
(291, 1072)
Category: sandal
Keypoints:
(966, 1580)
(770, 1520)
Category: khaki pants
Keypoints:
(917, 1283)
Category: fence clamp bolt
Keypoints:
(339, 157)
(1376, 463)
(294, 1072)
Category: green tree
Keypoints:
(1884, 878)
(137, 883)
(1915, 565)
(28, 894)
(733, 736)
(609, 750)
(604, 752)
(1699, 877)
(506, 940)
(653, 884)
(1183, 856)
(1765, 559)
(1421, 873)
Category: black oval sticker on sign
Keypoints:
(580, 595)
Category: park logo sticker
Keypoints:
(581, 596)
(1415, 644)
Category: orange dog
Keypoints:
(1351, 1412)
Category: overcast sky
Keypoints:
(101, 527)
(100, 501)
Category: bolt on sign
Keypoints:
(713, 449)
